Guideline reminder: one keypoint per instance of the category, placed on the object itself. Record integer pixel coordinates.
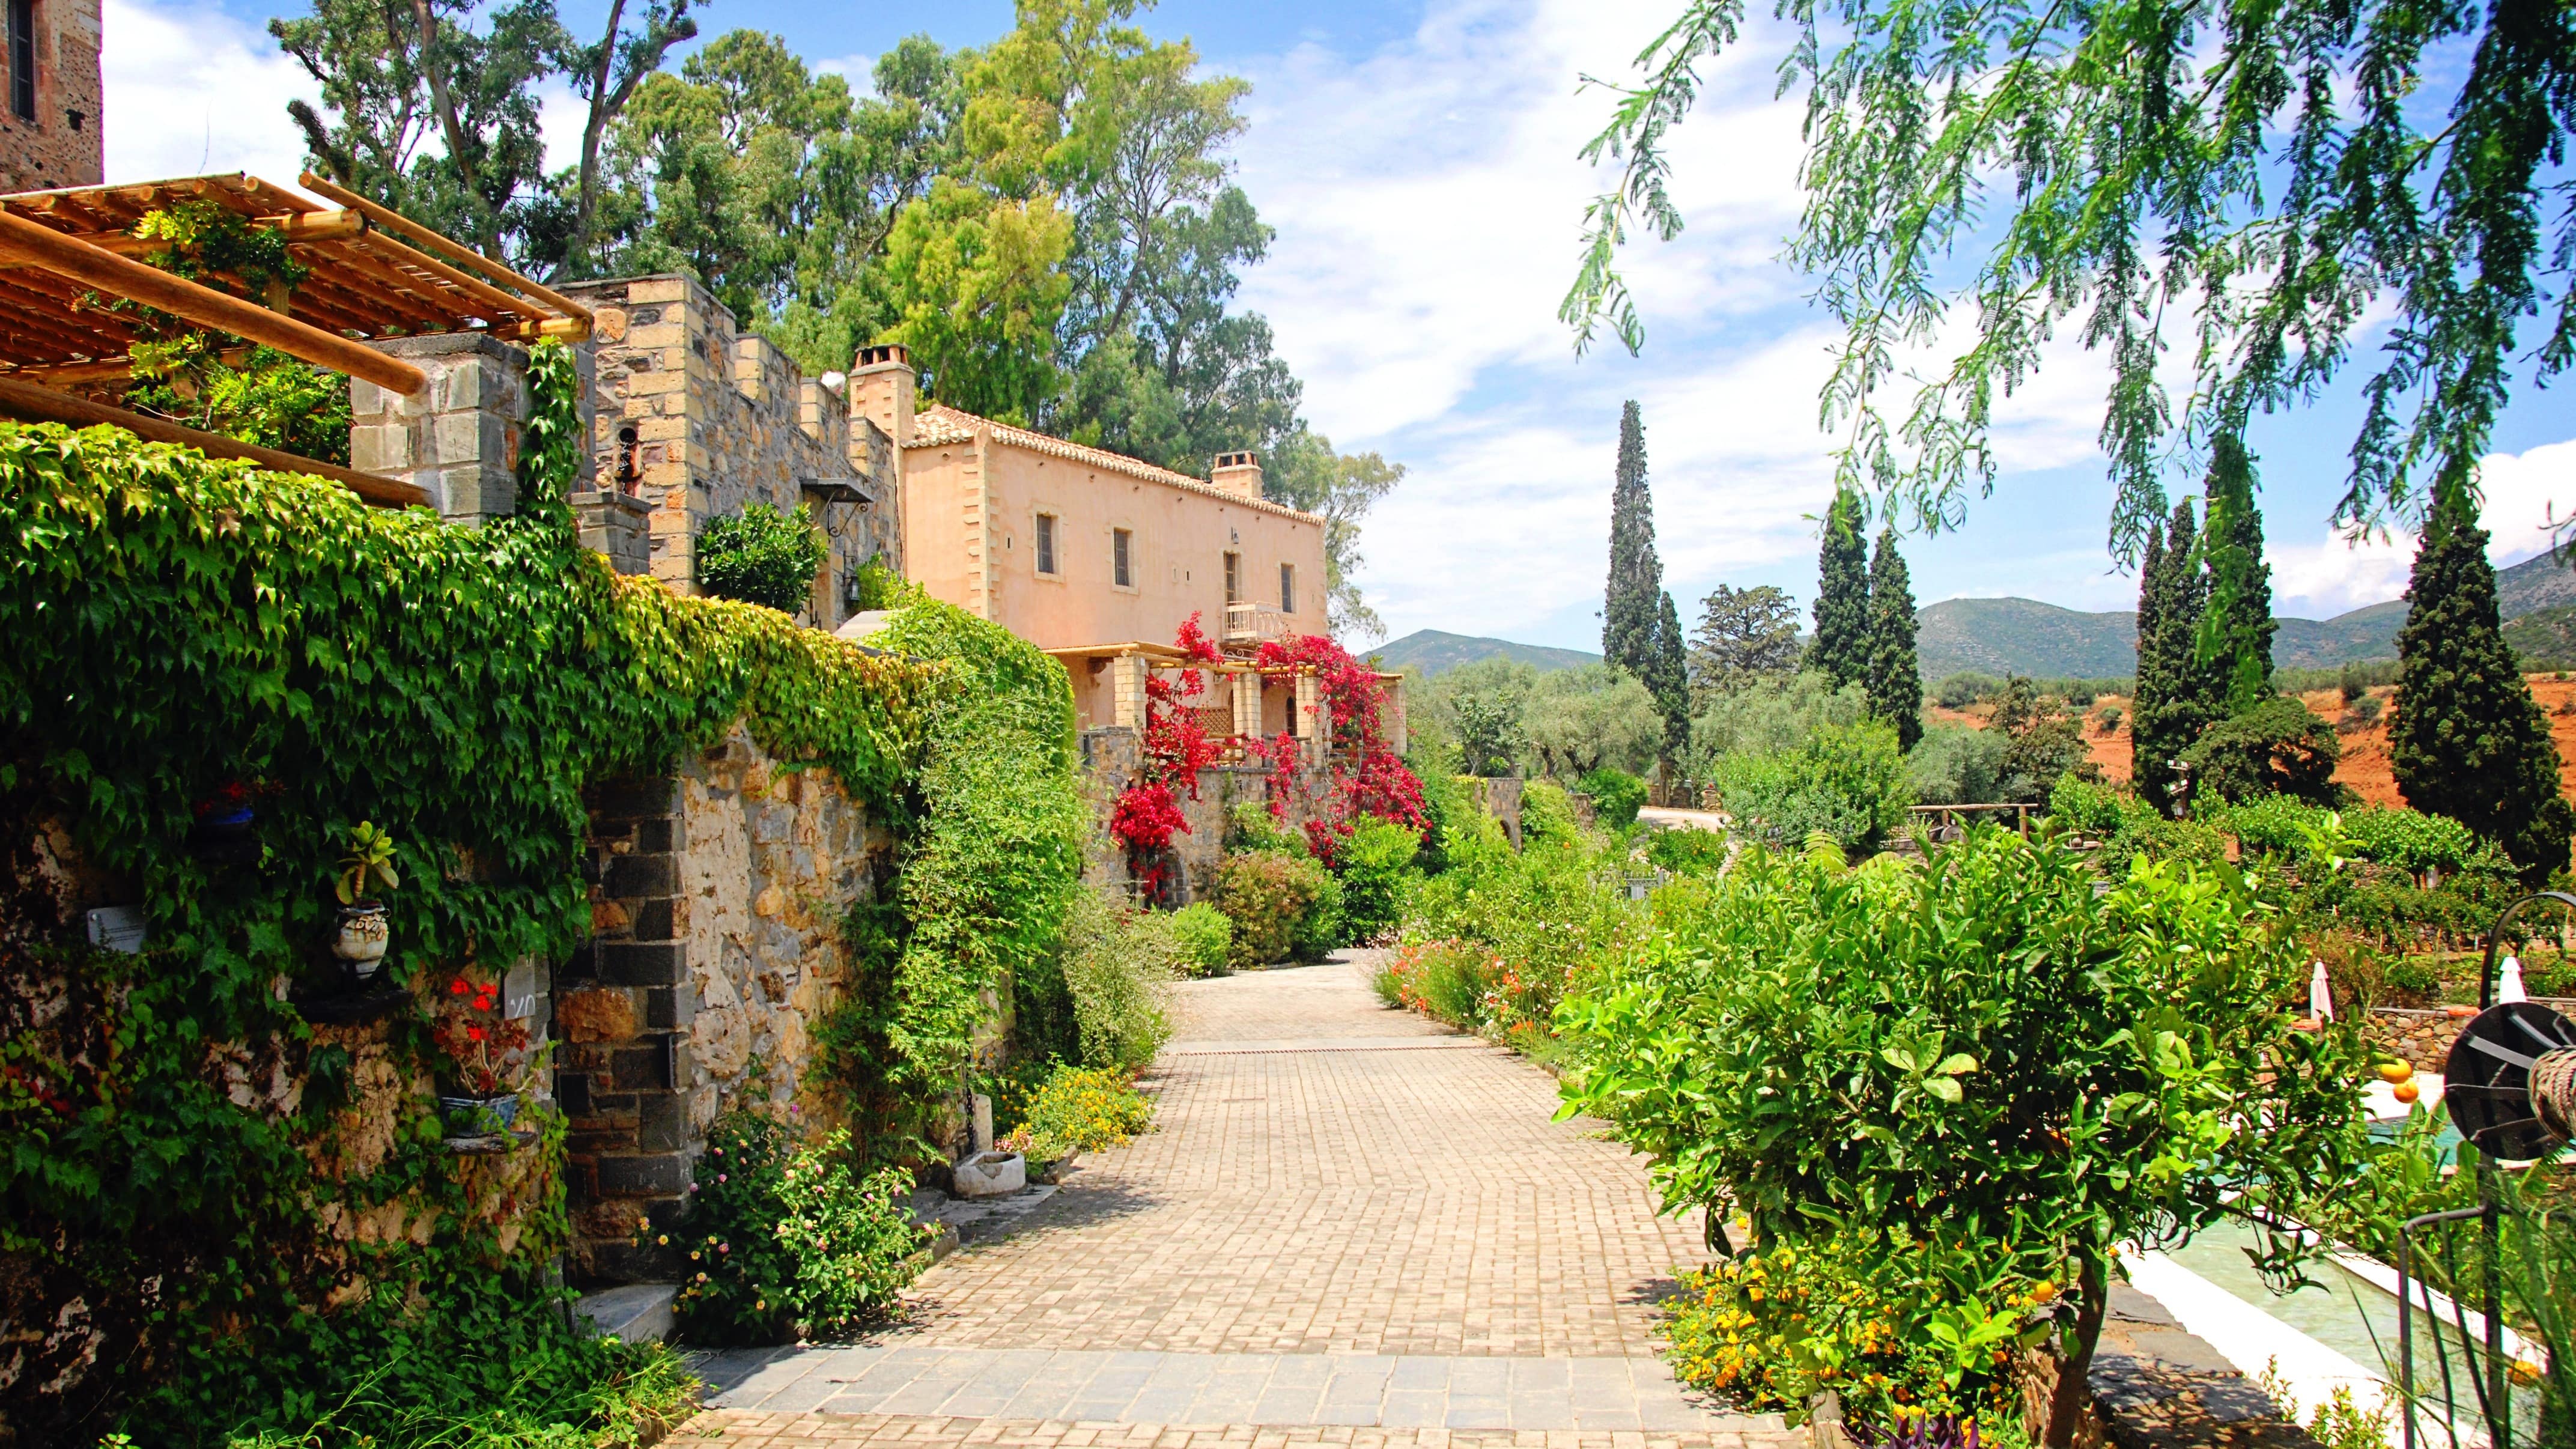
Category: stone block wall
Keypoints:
(64, 144)
(718, 897)
(698, 418)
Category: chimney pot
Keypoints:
(883, 389)
(1237, 473)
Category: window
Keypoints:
(22, 59)
(1287, 588)
(1046, 543)
(1234, 578)
(1118, 570)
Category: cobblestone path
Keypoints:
(1352, 1227)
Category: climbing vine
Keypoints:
(1175, 748)
(1365, 777)
(180, 1151)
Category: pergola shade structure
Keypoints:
(371, 274)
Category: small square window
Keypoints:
(1287, 588)
(1046, 543)
(1118, 571)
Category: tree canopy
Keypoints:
(2245, 187)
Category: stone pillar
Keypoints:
(1247, 704)
(458, 437)
(619, 525)
(1391, 719)
(622, 1011)
(1127, 675)
(1313, 731)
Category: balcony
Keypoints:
(1247, 626)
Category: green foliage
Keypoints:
(1375, 866)
(1875, 1316)
(1629, 605)
(1592, 717)
(1267, 895)
(785, 1242)
(1204, 938)
(985, 879)
(974, 286)
(1957, 765)
(2411, 840)
(371, 856)
(1847, 781)
(879, 587)
(1687, 851)
(2092, 808)
(1324, 926)
(2234, 639)
(1895, 677)
(1547, 815)
(1768, 717)
(2143, 835)
(552, 448)
(201, 627)
(2177, 693)
(1617, 796)
(1118, 964)
(2041, 741)
(2277, 747)
(1981, 1052)
(1249, 825)
(1745, 637)
(1531, 921)
(2469, 741)
(1080, 1109)
(1841, 648)
(1449, 981)
(1958, 691)
(762, 556)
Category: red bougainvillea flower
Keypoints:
(474, 1033)
(457, 987)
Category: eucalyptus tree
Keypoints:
(2240, 185)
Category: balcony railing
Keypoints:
(1251, 624)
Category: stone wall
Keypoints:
(699, 418)
(720, 890)
(2421, 1037)
(64, 144)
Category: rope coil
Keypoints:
(2553, 1092)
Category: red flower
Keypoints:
(456, 987)
(474, 1033)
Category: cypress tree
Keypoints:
(2468, 740)
(1841, 649)
(1631, 605)
(1668, 678)
(1895, 673)
(2173, 702)
(2235, 643)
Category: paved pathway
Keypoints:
(1352, 1227)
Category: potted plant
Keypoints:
(363, 932)
(487, 1058)
(221, 830)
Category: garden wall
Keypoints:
(718, 900)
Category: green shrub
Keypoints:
(2411, 840)
(2270, 824)
(1324, 927)
(2415, 977)
(1445, 980)
(1929, 1054)
(1119, 959)
(2156, 838)
(2091, 808)
(1267, 896)
(1375, 866)
(879, 587)
(1079, 1109)
(1961, 690)
(1687, 851)
(1845, 781)
(2276, 748)
(1773, 715)
(1547, 815)
(1617, 796)
(1249, 825)
(1955, 764)
(1204, 936)
(762, 556)
(784, 1241)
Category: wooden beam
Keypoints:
(474, 294)
(396, 222)
(29, 403)
(71, 257)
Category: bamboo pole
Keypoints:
(30, 403)
(395, 221)
(71, 257)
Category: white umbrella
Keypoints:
(2320, 995)
(2509, 983)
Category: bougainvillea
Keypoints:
(1366, 777)
(1176, 747)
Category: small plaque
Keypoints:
(519, 991)
(118, 928)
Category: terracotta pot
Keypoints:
(363, 936)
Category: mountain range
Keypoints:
(2024, 636)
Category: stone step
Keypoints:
(755, 1429)
(1358, 1391)
(635, 1312)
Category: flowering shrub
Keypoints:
(1081, 1109)
(1268, 897)
(1863, 1316)
(1175, 747)
(784, 1241)
(1367, 779)
(486, 1055)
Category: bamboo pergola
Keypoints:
(372, 274)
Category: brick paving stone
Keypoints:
(1351, 1227)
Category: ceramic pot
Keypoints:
(363, 936)
(224, 837)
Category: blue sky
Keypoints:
(1418, 163)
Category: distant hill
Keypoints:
(1438, 653)
(2544, 638)
(2023, 636)
(2533, 585)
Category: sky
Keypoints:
(1418, 161)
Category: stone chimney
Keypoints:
(1238, 474)
(882, 387)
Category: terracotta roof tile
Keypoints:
(943, 426)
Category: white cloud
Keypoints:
(2523, 493)
(192, 91)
